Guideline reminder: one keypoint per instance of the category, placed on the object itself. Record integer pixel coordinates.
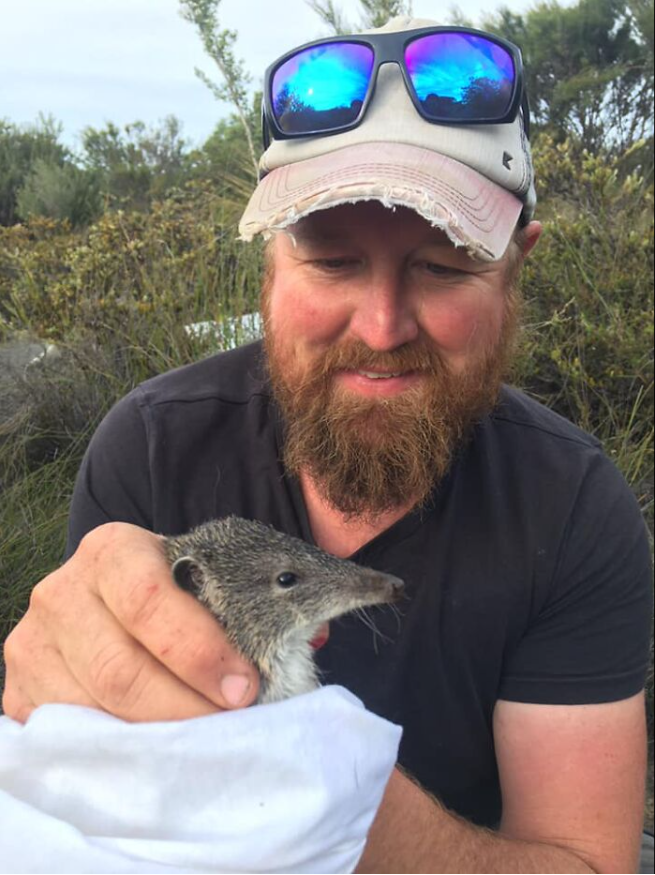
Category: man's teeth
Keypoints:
(374, 376)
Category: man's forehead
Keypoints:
(345, 225)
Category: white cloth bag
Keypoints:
(286, 787)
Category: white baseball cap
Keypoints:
(472, 181)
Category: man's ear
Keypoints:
(187, 575)
(529, 237)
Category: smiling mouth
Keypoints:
(372, 375)
(375, 384)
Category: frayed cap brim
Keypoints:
(473, 211)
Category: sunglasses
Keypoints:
(454, 76)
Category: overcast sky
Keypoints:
(87, 62)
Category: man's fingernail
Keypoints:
(235, 688)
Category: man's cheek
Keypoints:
(301, 318)
(458, 331)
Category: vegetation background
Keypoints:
(109, 254)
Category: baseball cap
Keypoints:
(474, 182)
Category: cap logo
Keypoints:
(507, 160)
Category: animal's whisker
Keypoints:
(398, 614)
(368, 621)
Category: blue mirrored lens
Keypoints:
(322, 87)
(461, 76)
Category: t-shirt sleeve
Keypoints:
(589, 635)
(113, 483)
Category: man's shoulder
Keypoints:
(234, 376)
(519, 413)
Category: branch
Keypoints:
(330, 15)
(378, 12)
(219, 43)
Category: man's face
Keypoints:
(385, 343)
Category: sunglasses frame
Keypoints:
(390, 48)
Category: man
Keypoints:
(375, 424)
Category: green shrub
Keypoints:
(587, 348)
(59, 192)
(125, 269)
(20, 148)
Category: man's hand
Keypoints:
(111, 630)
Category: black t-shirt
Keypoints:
(528, 577)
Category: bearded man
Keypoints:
(373, 422)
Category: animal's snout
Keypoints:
(392, 588)
(397, 587)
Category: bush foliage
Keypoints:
(176, 262)
(122, 247)
(117, 296)
(587, 349)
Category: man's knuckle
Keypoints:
(88, 544)
(23, 712)
(15, 706)
(50, 595)
(99, 535)
(97, 541)
(42, 594)
(117, 678)
(20, 655)
(142, 602)
(17, 644)
(11, 647)
(205, 658)
(8, 699)
(211, 658)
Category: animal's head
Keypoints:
(263, 585)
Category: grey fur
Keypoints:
(232, 566)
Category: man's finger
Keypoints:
(47, 679)
(126, 680)
(17, 705)
(176, 629)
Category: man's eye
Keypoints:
(438, 269)
(334, 264)
(442, 270)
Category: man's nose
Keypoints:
(384, 317)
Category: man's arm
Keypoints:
(572, 779)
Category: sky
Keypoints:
(88, 62)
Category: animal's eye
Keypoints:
(287, 579)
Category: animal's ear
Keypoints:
(187, 574)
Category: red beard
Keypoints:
(368, 456)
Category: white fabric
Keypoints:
(286, 787)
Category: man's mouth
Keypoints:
(378, 384)
(373, 375)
